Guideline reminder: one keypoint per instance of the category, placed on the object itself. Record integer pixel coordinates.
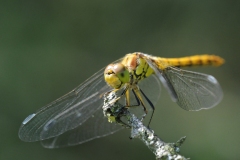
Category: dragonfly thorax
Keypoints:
(137, 66)
(131, 70)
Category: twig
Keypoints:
(115, 111)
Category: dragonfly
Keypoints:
(77, 117)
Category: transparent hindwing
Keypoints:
(192, 91)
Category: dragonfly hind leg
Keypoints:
(152, 106)
(140, 101)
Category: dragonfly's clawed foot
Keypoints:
(148, 127)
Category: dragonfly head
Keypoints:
(116, 75)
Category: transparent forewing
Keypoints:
(67, 112)
(194, 90)
(95, 127)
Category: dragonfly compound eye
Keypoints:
(116, 75)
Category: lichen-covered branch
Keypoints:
(115, 111)
(162, 150)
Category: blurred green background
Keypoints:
(49, 47)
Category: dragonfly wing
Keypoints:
(163, 78)
(95, 127)
(151, 88)
(195, 91)
(67, 112)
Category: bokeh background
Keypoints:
(49, 47)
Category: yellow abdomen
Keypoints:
(197, 60)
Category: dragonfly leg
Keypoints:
(140, 101)
(127, 98)
(122, 112)
(152, 106)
